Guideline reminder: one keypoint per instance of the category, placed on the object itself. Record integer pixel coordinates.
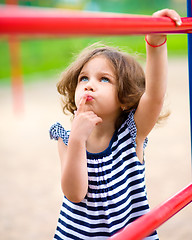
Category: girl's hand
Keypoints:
(169, 13)
(157, 39)
(84, 121)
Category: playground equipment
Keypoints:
(33, 21)
(22, 21)
(146, 224)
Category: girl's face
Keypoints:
(98, 82)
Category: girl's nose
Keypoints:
(89, 87)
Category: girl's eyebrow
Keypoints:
(108, 74)
(82, 73)
(101, 73)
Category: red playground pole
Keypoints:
(37, 21)
(145, 225)
(16, 72)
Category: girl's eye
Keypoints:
(104, 79)
(83, 79)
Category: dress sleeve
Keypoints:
(133, 129)
(57, 130)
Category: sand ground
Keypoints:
(30, 194)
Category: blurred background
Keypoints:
(30, 194)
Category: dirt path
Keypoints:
(30, 195)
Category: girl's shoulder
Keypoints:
(57, 130)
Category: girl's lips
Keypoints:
(89, 98)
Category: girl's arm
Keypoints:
(151, 102)
(74, 175)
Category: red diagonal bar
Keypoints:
(23, 20)
(146, 224)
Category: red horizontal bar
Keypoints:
(23, 20)
(146, 224)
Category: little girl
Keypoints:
(115, 106)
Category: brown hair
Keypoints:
(129, 74)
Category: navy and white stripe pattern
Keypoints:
(116, 194)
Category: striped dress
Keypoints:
(116, 189)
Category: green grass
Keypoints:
(50, 56)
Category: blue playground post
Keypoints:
(189, 14)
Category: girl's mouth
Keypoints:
(89, 98)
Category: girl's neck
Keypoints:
(100, 138)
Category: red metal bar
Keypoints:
(16, 75)
(23, 20)
(146, 224)
(16, 72)
(12, 2)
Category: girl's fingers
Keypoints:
(169, 13)
(98, 120)
(175, 17)
(178, 21)
(81, 107)
(93, 117)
